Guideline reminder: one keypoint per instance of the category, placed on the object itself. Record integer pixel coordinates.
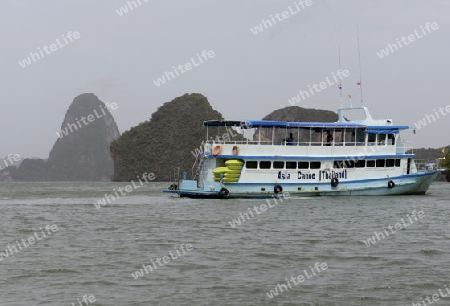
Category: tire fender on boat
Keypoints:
(334, 182)
(277, 189)
(224, 193)
(391, 184)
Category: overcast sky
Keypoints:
(119, 57)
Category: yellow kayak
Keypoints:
(232, 175)
(234, 162)
(220, 170)
(234, 167)
(230, 179)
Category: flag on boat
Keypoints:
(358, 83)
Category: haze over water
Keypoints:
(95, 251)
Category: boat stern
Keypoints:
(191, 188)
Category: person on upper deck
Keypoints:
(290, 140)
(329, 138)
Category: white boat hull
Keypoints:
(417, 183)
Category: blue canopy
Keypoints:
(390, 129)
(283, 124)
(382, 131)
(326, 125)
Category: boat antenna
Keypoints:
(359, 63)
(339, 66)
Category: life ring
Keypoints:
(224, 193)
(235, 150)
(391, 184)
(277, 189)
(334, 182)
(216, 150)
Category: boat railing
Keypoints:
(289, 144)
(175, 178)
(427, 164)
(196, 166)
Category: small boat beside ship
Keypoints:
(347, 157)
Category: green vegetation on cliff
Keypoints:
(300, 114)
(165, 141)
(430, 153)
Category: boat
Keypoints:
(365, 157)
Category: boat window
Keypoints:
(251, 164)
(380, 162)
(349, 164)
(349, 137)
(370, 163)
(264, 164)
(360, 137)
(390, 162)
(381, 139)
(316, 137)
(391, 139)
(360, 163)
(397, 162)
(338, 137)
(291, 165)
(315, 165)
(278, 164)
(371, 139)
(303, 165)
(338, 164)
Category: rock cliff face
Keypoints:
(81, 153)
(166, 141)
(300, 114)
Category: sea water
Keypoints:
(151, 248)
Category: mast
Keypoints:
(359, 64)
(339, 66)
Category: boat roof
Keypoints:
(248, 124)
(221, 123)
